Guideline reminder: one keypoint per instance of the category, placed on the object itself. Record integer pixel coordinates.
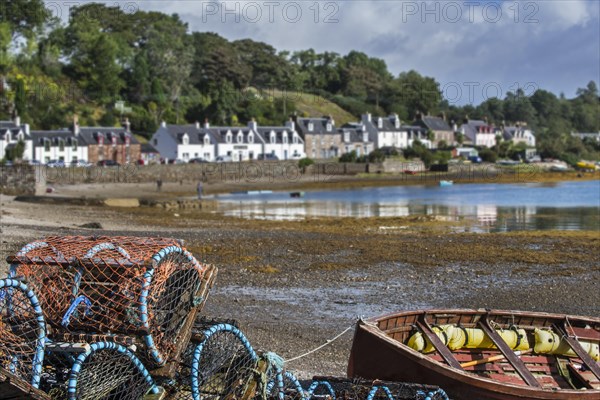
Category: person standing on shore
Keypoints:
(200, 189)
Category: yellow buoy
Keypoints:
(548, 342)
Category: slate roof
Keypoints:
(14, 131)
(319, 126)
(196, 134)
(86, 136)
(387, 124)
(91, 134)
(356, 134)
(265, 133)
(38, 137)
(435, 123)
(147, 148)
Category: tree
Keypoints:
(416, 93)
(16, 152)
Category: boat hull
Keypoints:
(375, 355)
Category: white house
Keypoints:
(417, 133)
(11, 132)
(60, 145)
(519, 134)
(385, 131)
(479, 133)
(239, 143)
(281, 141)
(185, 142)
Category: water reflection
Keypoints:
(567, 206)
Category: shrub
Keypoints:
(303, 163)
(349, 157)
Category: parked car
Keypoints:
(267, 157)
(221, 159)
(197, 161)
(81, 163)
(475, 159)
(34, 162)
(534, 159)
(55, 164)
(107, 163)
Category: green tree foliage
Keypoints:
(16, 152)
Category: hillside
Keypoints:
(312, 105)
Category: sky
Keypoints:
(475, 49)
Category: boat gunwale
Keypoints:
(470, 378)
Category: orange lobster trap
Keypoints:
(132, 290)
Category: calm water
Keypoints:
(493, 207)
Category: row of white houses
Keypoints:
(187, 142)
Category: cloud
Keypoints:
(486, 41)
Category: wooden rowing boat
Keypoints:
(381, 350)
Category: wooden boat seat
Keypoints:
(586, 378)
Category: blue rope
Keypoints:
(38, 358)
(438, 394)
(73, 307)
(376, 389)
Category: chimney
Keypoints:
(17, 120)
(444, 115)
(291, 124)
(127, 125)
(163, 124)
(27, 130)
(418, 115)
(366, 117)
(197, 124)
(206, 124)
(331, 121)
(75, 125)
(252, 124)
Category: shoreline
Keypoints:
(187, 188)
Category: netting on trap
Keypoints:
(223, 365)
(100, 371)
(115, 285)
(22, 331)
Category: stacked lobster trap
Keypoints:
(113, 318)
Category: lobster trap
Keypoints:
(22, 332)
(102, 370)
(122, 289)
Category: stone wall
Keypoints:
(259, 171)
(21, 180)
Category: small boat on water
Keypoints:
(483, 354)
(297, 194)
(446, 183)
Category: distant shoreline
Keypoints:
(188, 188)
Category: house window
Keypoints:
(155, 142)
(74, 159)
(61, 145)
(228, 137)
(311, 126)
(240, 137)
(186, 139)
(46, 145)
(273, 138)
(328, 127)
(346, 136)
(365, 136)
(206, 140)
(295, 139)
(207, 156)
(113, 139)
(250, 138)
